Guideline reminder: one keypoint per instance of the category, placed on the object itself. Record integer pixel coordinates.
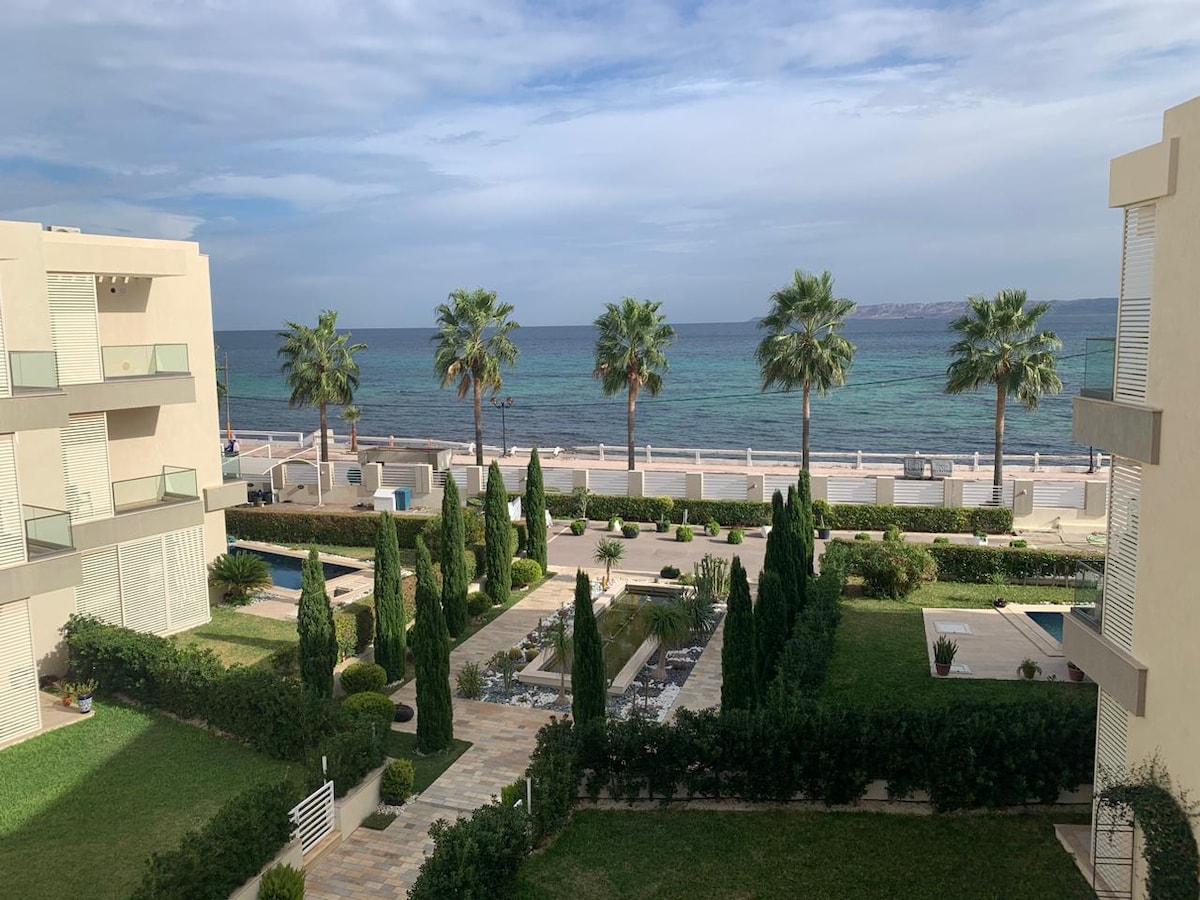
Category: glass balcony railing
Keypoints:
(174, 485)
(33, 371)
(231, 468)
(141, 360)
(46, 530)
(1099, 359)
(1088, 605)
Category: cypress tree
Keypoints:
(391, 621)
(739, 668)
(497, 537)
(810, 523)
(431, 651)
(535, 511)
(770, 621)
(589, 681)
(796, 552)
(314, 623)
(782, 554)
(455, 577)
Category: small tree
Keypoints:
(238, 576)
(391, 620)
(782, 555)
(314, 623)
(770, 621)
(589, 681)
(431, 651)
(455, 578)
(669, 623)
(739, 675)
(535, 511)
(497, 537)
(608, 552)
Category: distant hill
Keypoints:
(946, 310)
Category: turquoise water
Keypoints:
(1049, 622)
(285, 570)
(892, 403)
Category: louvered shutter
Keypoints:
(5, 384)
(99, 592)
(85, 467)
(19, 710)
(187, 581)
(143, 587)
(1112, 739)
(1120, 569)
(1133, 311)
(75, 327)
(12, 526)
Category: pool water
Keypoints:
(1049, 622)
(286, 570)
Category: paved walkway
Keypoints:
(703, 686)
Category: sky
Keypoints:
(372, 156)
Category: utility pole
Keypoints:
(503, 405)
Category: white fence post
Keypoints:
(975, 462)
(601, 449)
(1037, 461)
(649, 458)
(749, 458)
(858, 460)
(697, 457)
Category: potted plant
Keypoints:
(1074, 672)
(614, 525)
(82, 693)
(998, 580)
(662, 526)
(822, 532)
(944, 651)
(1028, 669)
(981, 538)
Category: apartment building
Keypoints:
(1140, 404)
(111, 491)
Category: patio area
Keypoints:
(992, 643)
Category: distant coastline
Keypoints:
(946, 310)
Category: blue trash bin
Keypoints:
(403, 499)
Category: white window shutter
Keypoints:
(187, 578)
(5, 384)
(75, 327)
(85, 467)
(1121, 566)
(12, 525)
(99, 592)
(1133, 310)
(20, 712)
(143, 587)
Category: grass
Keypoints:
(365, 554)
(679, 855)
(880, 654)
(83, 807)
(240, 638)
(403, 745)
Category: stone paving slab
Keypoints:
(703, 686)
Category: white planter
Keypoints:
(982, 541)
(766, 530)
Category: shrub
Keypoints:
(862, 536)
(976, 564)
(893, 534)
(662, 526)
(713, 528)
(277, 716)
(893, 569)
(525, 572)
(350, 754)
(735, 536)
(578, 527)
(498, 536)
(282, 882)
(935, 519)
(396, 786)
(1018, 544)
(358, 678)
(474, 857)
(285, 661)
(614, 523)
(511, 793)
(669, 572)
(362, 613)
(370, 705)
(479, 551)
(469, 681)
(941, 540)
(631, 529)
(478, 603)
(684, 534)
(345, 632)
(239, 576)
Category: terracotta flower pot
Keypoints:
(943, 669)
(1074, 673)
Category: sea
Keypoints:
(893, 401)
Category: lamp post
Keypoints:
(503, 405)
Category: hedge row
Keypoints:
(933, 519)
(975, 564)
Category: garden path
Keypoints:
(703, 686)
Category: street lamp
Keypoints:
(502, 405)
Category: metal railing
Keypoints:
(141, 360)
(46, 530)
(173, 485)
(1099, 362)
(33, 370)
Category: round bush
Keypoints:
(358, 678)
(396, 786)
(478, 603)
(578, 527)
(894, 569)
(662, 526)
(941, 540)
(669, 572)
(614, 523)
(862, 536)
(631, 529)
(735, 536)
(1019, 544)
(893, 534)
(525, 572)
(713, 528)
(684, 534)
(370, 705)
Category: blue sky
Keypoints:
(372, 156)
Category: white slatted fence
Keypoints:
(398, 475)
(1059, 494)
(666, 484)
(725, 487)
(313, 817)
(1120, 570)
(919, 493)
(851, 490)
(984, 493)
(558, 480)
(609, 483)
(781, 483)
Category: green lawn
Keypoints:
(403, 745)
(240, 638)
(682, 855)
(881, 658)
(366, 554)
(82, 808)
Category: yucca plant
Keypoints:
(944, 651)
(239, 576)
(609, 552)
(669, 623)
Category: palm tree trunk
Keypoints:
(324, 434)
(478, 423)
(661, 672)
(630, 422)
(804, 437)
(353, 437)
(998, 465)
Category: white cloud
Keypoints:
(112, 217)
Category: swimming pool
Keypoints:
(1049, 622)
(285, 570)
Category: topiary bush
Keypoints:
(894, 534)
(396, 786)
(893, 569)
(1018, 544)
(282, 882)
(631, 529)
(478, 603)
(614, 523)
(669, 572)
(684, 534)
(370, 705)
(862, 536)
(358, 678)
(941, 540)
(735, 536)
(525, 572)
(713, 528)
(578, 527)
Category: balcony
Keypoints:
(1099, 365)
(174, 485)
(51, 562)
(137, 376)
(232, 491)
(1084, 644)
(46, 531)
(36, 401)
(144, 361)
(1127, 429)
(33, 371)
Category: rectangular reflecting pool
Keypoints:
(622, 627)
(286, 570)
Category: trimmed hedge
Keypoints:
(934, 519)
(370, 705)
(396, 786)
(360, 677)
(974, 564)
(525, 572)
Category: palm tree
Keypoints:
(804, 347)
(999, 344)
(669, 623)
(608, 552)
(631, 353)
(238, 576)
(560, 643)
(474, 346)
(351, 415)
(320, 367)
